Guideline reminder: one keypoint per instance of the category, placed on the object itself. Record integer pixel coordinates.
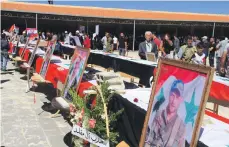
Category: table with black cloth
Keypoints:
(131, 121)
(67, 49)
(133, 67)
(123, 65)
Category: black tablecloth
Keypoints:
(143, 72)
(130, 122)
(67, 50)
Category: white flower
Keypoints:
(103, 116)
(77, 115)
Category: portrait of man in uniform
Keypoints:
(168, 129)
(176, 105)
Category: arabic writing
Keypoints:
(89, 136)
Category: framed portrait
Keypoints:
(33, 53)
(23, 51)
(47, 57)
(75, 72)
(176, 105)
(151, 57)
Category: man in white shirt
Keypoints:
(104, 42)
(115, 41)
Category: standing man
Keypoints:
(187, 51)
(115, 42)
(176, 43)
(104, 41)
(147, 46)
(195, 41)
(5, 47)
(167, 128)
(23, 38)
(79, 36)
(109, 46)
(221, 47)
(212, 49)
(122, 45)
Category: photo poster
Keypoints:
(23, 51)
(31, 32)
(177, 104)
(32, 56)
(47, 57)
(75, 73)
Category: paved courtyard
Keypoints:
(23, 122)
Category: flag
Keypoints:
(12, 28)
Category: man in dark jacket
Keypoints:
(147, 46)
(5, 47)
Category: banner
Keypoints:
(90, 137)
(31, 32)
(97, 29)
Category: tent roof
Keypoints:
(111, 12)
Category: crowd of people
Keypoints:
(192, 50)
(188, 49)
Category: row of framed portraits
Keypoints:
(177, 102)
(76, 69)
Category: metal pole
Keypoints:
(213, 31)
(134, 35)
(25, 23)
(36, 21)
(87, 27)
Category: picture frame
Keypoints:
(47, 58)
(75, 74)
(32, 56)
(151, 57)
(194, 101)
(23, 50)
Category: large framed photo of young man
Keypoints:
(75, 73)
(176, 105)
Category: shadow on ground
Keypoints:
(6, 72)
(68, 139)
(24, 77)
(3, 81)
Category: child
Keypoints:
(199, 56)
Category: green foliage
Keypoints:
(97, 112)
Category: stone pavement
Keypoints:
(23, 124)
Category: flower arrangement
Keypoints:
(95, 118)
